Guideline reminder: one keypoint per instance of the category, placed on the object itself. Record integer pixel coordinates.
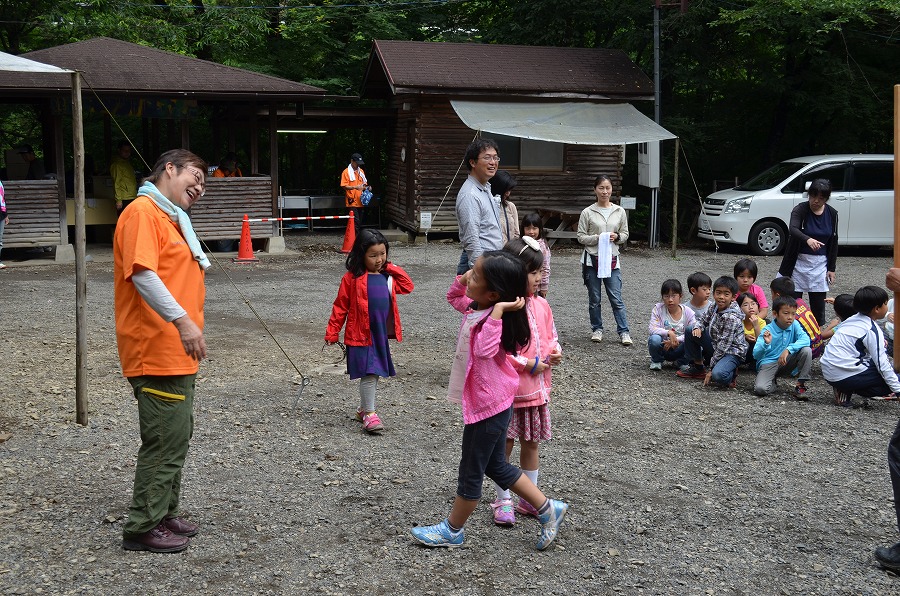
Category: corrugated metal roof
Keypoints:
(119, 67)
(397, 67)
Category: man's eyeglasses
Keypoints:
(490, 158)
(198, 176)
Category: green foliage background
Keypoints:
(745, 83)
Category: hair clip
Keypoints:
(529, 243)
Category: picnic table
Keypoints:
(568, 220)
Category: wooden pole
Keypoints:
(675, 200)
(896, 212)
(81, 401)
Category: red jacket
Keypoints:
(352, 306)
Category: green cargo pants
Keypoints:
(166, 414)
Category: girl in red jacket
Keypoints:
(367, 302)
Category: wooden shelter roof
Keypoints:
(116, 67)
(417, 67)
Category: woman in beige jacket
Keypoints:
(605, 222)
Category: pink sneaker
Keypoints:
(525, 508)
(372, 423)
(503, 512)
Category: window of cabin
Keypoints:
(524, 154)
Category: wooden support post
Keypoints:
(81, 400)
(675, 199)
(896, 210)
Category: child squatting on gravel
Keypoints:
(717, 336)
(530, 421)
(855, 360)
(367, 302)
(669, 320)
(782, 348)
(484, 382)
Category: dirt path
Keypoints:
(674, 488)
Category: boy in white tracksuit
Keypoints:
(855, 360)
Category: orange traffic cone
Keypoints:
(245, 248)
(350, 234)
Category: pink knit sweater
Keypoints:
(491, 380)
(534, 389)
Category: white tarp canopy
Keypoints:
(576, 123)
(15, 63)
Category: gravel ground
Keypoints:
(674, 489)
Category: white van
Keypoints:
(757, 213)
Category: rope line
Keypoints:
(697, 190)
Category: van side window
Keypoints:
(836, 173)
(873, 176)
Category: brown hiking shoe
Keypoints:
(181, 526)
(158, 540)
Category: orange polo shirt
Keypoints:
(148, 345)
(352, 196)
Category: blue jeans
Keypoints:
(613, 292)
(701, 348)
(463, 265)
(658, 354)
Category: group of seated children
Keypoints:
(711, 339)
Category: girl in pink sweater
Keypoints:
(530, 421)
(483, 381)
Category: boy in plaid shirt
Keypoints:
(717, 338)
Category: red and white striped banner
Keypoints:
(299, 218)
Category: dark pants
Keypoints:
(866, 384)
(484, 454)
(357, 218)
(816, 305)
(463, 264)
(894, 467)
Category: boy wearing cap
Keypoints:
(353, 181)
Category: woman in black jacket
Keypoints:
(811, 252)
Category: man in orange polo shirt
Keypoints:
(159, 293)
(353, 181)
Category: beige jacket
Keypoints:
(591, 224)
(509, 217)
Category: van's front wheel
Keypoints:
(767, 238)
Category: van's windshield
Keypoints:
(773, 176)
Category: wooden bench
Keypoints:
(34, 213)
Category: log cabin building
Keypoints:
(426, 84)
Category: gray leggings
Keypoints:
(367, 385)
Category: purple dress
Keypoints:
(376, 358)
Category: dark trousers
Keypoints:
(484, 454)
(357, 218)
(894, 467)
(869, 383)
(816, 305)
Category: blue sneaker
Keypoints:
(551, 520)
(438, 535)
